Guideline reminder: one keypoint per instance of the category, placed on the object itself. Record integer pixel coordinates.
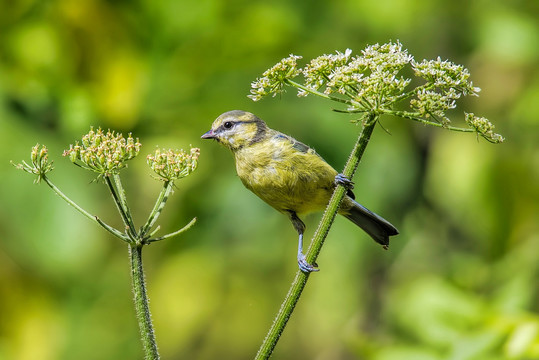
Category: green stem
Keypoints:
(113, 231)
(416, 117)
(142, 308)
(58, 192)
(296, 289)
(158, 207)
(119, 200)
(67, 199)
(175, 233)
(317, 93)
(123, 202)
(335, 201)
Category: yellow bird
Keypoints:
(290, 176)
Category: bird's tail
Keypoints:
(377, 227)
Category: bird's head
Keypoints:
(236, 129)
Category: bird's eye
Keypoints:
(227, 125)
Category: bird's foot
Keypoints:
(305, 266)
(341, 179)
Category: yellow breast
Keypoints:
(285, 177)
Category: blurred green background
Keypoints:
(460, 282)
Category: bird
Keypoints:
(290, 176)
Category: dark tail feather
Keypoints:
(377, 227)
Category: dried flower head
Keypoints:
(40, 164)
(274, 79)
(172, 165)
(103, 153)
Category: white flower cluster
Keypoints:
(446, 74)
(445, 83)
(432, 104)
(483, 127)
(371, 78)
(322, 69)
(372, 83)
(273, 80)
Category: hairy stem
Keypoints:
(296, 289)
(142, 307)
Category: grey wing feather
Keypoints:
(299, 146)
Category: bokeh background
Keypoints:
(460, 282)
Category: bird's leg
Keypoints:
(300, 228)
(341, 179)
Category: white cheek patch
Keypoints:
(229, 139)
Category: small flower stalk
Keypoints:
(373, 84)
(106, 153)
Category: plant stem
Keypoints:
(142, 307)
(335, 201)
(107, 227)
(175, 233)
(120, 205)
(416, 117)
(123, 203)
(296, 289)
(318, 93)
(158, 207)
(58, 192)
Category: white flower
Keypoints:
(274, 79)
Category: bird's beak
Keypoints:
(209, 135)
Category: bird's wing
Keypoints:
(301, 147)
(297, 145)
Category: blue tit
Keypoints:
(290, 176)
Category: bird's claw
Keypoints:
(305, 266)
(341, 179)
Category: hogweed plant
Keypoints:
(370, 85)
(106, 154)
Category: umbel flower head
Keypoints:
(375, 83)
(103, 153)
(273, 80)
(483, 127)
(40, 164)
(321, 69)
(170, 165)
